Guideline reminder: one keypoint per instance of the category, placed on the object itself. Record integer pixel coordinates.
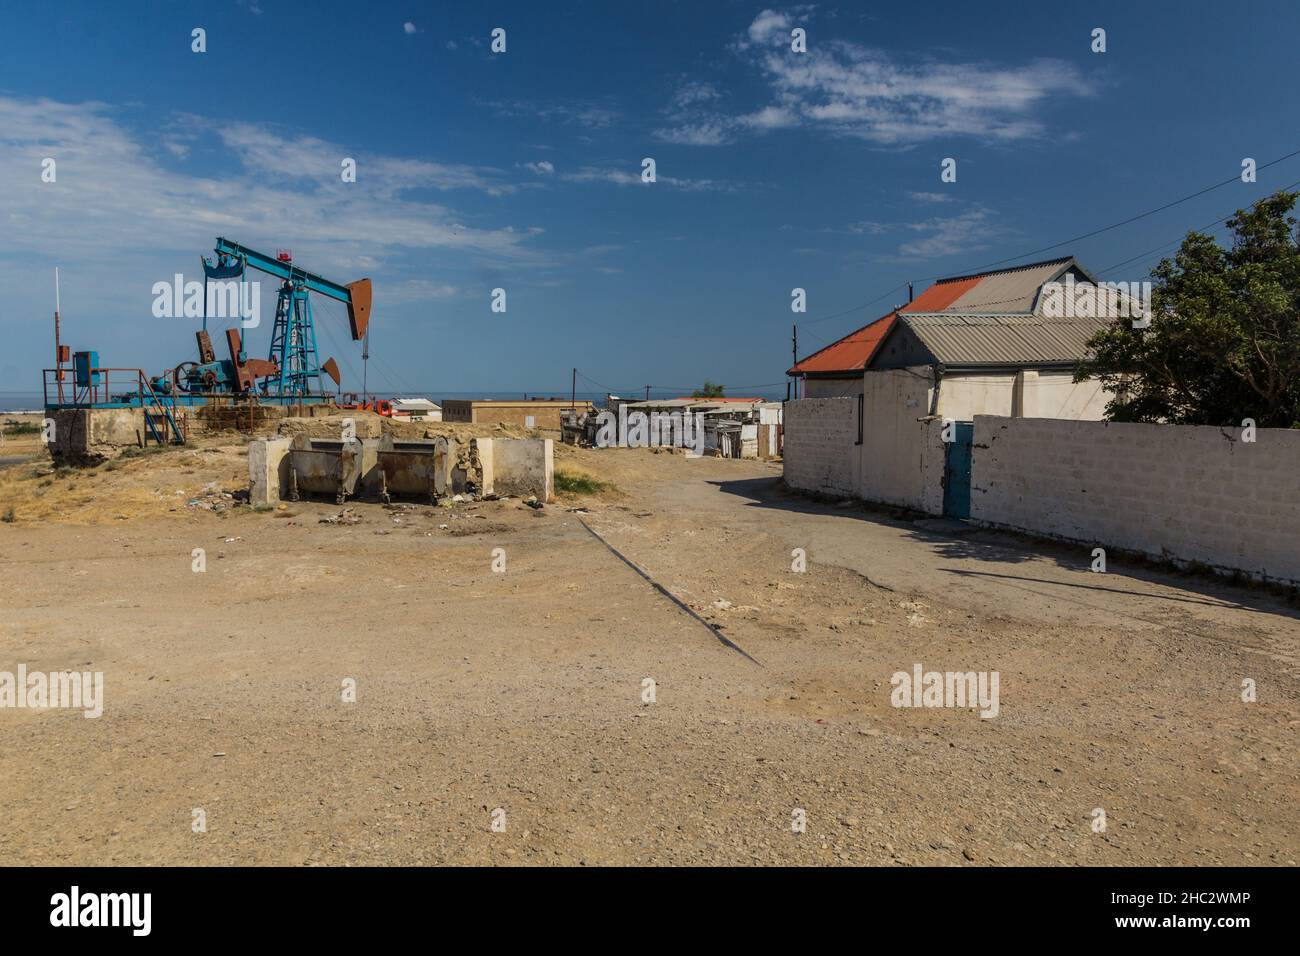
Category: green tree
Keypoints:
(1224, 338)
(708, 390)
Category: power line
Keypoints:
(1166, 245)
(1064, 242)
(1141, 215)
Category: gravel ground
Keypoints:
(524, 692)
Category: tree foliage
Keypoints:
(708, 390)
(1224, 340)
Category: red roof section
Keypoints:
(848, 354)
(941, 295)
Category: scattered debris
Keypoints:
(346, 516)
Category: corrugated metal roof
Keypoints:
(1011, 290)
(848, 354)
(1026, 339)
(1008, 290)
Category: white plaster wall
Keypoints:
(901, 441)
(820, 454)
(1186, 493)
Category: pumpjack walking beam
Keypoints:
(293, 338)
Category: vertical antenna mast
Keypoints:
(58, 345)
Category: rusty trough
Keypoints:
(415, 467)
(324, 466)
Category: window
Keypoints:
(861, 398)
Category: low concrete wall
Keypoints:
(516, 466)
(268, 470)
(902, 447)
(505, 467)
(95, 434)
(1182, 493)
(820, 450)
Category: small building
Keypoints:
(733, 427)
(895, 426)
(542, 413)
(416, 410)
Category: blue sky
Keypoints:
(521, 170)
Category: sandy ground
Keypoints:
(523, 691)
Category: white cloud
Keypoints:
(770, 117)
(591, 114)
(418, 290)
(692, 92)
(945, 236)
(768, 25)
(541, 168)
(408, 27)
(931, 197)
(112, 197)
(852, 90)
(691, 119)
(695, 134)
(308, 158)
(621, 177)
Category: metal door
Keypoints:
(956, 471)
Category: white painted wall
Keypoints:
(1056, 395)
(902, 454)
(832, 387)
(901, 458)
(820, 454)
(1026, 394)
(1181, 492)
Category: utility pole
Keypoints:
(794, 351)
(573, 394)
(647, 393)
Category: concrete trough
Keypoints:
(415, 468)
(324, 466)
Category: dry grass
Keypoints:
(154, 483)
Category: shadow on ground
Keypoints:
(958, 541)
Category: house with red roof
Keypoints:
(983, 344)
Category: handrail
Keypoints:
(100, 390)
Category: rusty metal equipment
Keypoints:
(415, 467)
(324, 466)
(293, 337)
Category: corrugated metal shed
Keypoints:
(1003, 340)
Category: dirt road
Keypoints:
(524, 691)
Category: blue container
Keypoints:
(84, 365)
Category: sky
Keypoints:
(522, 169)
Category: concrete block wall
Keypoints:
(516, 466)
(902, 450)
(820, 450)
(1184, 493)
(95, 434)
(268, 470)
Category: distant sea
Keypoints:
(12, 401)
